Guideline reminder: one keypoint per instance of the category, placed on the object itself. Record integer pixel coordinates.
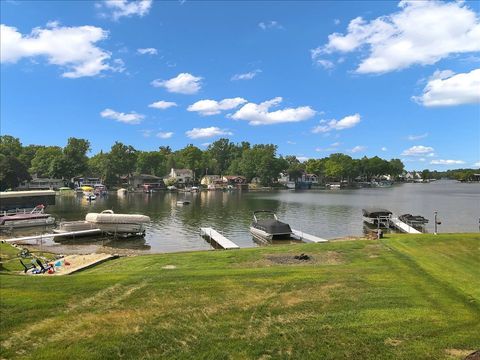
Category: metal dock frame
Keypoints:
(218, 238)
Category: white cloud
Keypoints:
(335, 144)
(207, 144)
(258, 114)
(302, 158)
(291, 142)
(121, 8)
(358, 148)
(328, 149)
(164, 135)
(419, 150)
(477, 164)
(272, 24)
(131, 118)
(336, 21)
(447, 162)
(183, 83)
(146, 133)
(162, 104)
(246, 76)
(345, 123)
(447, 89)
(326, 64)
(384, 148)
(197, 133)
(147, 51)
(70, 47)
(422, 32)
(212, 107)
(417, 137)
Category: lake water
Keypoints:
(325, 213)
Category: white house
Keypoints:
(183, 176)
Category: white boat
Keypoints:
(89, 196)
(171, 188)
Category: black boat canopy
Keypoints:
(375, 212)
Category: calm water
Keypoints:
(325, 213)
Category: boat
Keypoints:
(171, 188)
(183, 202)
(269, 228)
(112, 223)
(377, 216)
(90, 196)
(35, 217)
(74, 226)
(416, 221)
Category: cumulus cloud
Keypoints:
(130, 118)
(417, 137)
(246, 76)
(147, 51)
(213, 107)
(72, 48)
(164, 135)
(358, 148)
(329, 125)
(447, 162)
(258, 114)
(272, 24)
(162, 105)
(422, 32)
(419, 150)
(183, 83)
(477, 164)
(121, 8)
(384, 148)
(198, 133)
(447, 89)
(302, 158)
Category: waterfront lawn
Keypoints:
(405, 297)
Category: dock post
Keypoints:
(435, 223)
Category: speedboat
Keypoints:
(36, 217)
(90, 196)
(270, 227)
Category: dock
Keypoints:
(218, 238)
(400, 225)
(307, 237)
(48, 236)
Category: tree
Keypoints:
(294, 167)
(47, 162)
(191, 157)
(10, 146)
(122, 160)
(12, 172)
(76, 160)
(222, 151)
(151, 162)
(396, 167)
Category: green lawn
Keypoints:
(406, 297)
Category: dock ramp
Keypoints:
(48, 236)
(307, 237)
(218, 238)
(400, 225)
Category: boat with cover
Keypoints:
(108, 222)
(270, 227)
(416, 221)
(377, 216)
(36, 217)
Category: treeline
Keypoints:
(222, 157)
(457, 174)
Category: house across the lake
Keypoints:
(183, 176)
(42, 184)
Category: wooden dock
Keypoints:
(400, 225)
(218, 238)
(49, 236)
(307, 237)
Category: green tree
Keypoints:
(151, 162)
(12, 172)
(396, 167)
(122, 160)
(76, 160)
(47, 162)
(10, 146)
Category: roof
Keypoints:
(183, 171)
(234, 177)
(45, 180)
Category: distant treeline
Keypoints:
(19, 163)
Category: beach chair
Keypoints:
(43, 267)
(28, 266)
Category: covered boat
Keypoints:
(377, 216)
(416, 221)
(270, 227)
(36, 217)
(110, 222)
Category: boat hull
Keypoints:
(49, 220)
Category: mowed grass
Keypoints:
(405, 297)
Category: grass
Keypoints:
(405, 297)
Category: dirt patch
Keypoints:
(169, 267)
(326, 258)
(393, 342)
(463, 354)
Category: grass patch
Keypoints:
(405, 297)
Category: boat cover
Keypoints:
(111, 218)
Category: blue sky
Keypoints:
(398, 80)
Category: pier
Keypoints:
(218, 238)
(308, 237)
(400, 225)
(48, 236)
